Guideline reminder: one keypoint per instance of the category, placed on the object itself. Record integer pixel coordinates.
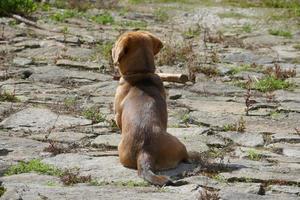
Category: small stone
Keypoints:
(21, 62)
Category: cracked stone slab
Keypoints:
(70, 63)
(18, 61)
(14, 149)
(215, 120)
(244, 139)
(262, 175)
(107, 168)
(289, 150)
(216, 88)
(192, 138)
(213, 105)
(289, 189)
(229, 195)
(64, 137)
(59, 75)
(40, 119)
(112, 140)
(285, 137)
(33, 186)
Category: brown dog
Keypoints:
(141, 109)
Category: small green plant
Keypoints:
(186, 118)
(220, 178)
(70, 102)
(105, 18)
(44, 7)
(246, 67)
(192, 32)
(254, 155)
(51, 184)
(21, 7)
(103, 50)
(7, 96)
(68, 177)
(283, 33)
(247, 28)
(297, 46)
(270, 83)
(274, 114)
(33, 166)
(62, 15)
(2, 190)
(229, 127)
(94, 114)
(161, 15)
(239, 126)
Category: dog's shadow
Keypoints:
(184, 170)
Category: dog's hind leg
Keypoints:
(145, 170)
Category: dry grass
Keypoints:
(280, 73)
(173, 54)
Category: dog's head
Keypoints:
(134, 52)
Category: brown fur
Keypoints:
(141, 109)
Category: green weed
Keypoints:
(220, 178)
(297, 46)
(283, 33)
(133, 24)
(245, 67)
(161, 15)
(105, 18)
(33, 166)
(62, 15)
(21, 7)
(247, 28)
(7, 96)
(270, 83)
(192, 32)
(94, 114)
(254, 155)
(2, 190)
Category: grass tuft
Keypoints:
(21, 7)
(254, 155)
(161, 15)
(270, 83)
(105, 18)
(282, 33)
(7, 96)
(94, 114)
(33, 166)
(2, 190)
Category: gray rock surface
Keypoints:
(54, 76)
(40, 120)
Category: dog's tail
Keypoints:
(145, 170)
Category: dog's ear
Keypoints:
(118, 51)
(157, 44)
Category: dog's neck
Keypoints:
(134, 78)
